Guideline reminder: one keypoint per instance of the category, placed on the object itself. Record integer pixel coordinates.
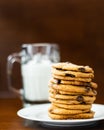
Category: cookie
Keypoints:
(89, 93)
(60, 77)
(87, 115)
(58, 110)
(74, 82)
(79, 97)
(72, 67)
(70, 88)
(74, 107)
(67, 101)
(72, 74)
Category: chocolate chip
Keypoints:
(70, 75)
(80, 98)
(58, 81)
(58, 69)
(81, 69)
(84, 103)
(88, 89)
(88, 84)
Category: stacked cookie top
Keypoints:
(71, 91)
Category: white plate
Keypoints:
(40, 113)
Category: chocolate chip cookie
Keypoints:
(71, 91)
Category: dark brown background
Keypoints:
(76, 25)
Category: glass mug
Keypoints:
(35, 60)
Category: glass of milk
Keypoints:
(35, 60)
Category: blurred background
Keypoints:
(76, 25)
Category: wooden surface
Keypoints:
(10, 121)
(76, 25)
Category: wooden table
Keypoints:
(10, 121)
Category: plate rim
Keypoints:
(58, 121)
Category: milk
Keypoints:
(36, 76)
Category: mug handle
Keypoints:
(11, 59)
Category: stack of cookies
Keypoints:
(71, 91)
